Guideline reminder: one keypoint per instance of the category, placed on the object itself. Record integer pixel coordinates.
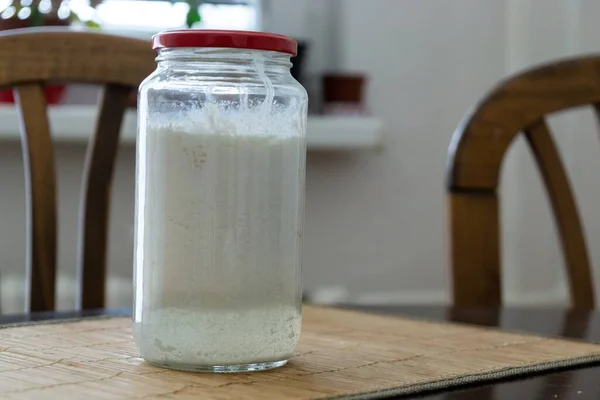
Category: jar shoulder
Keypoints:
(298, 88)
(282, 84)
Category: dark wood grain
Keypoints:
(29, 59)
(477, 150)
(95, 200)
(565, 211)
(38, 159)
(62, 55)
(479, 246)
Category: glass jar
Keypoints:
(219, 203)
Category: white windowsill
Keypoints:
(75, 124)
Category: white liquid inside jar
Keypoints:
(217, 263)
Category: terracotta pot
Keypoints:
(132, 103)
(340, 88)
(54, 94)
(13, 23)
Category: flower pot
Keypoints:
(343, 94)
(133, 98)
(54, 94)
(13, 23)
(339, 88)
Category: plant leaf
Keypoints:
(36, 17)
(193, 17)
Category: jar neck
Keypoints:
(241, 60)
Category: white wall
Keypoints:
(421, 57)
(429, 60)
(375, 222)
(382, 214)
(538, 31)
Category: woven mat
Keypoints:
(341, 354)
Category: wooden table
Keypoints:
(572, 384)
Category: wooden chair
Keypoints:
(520, 104)
(29, 59)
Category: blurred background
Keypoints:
(376, 229)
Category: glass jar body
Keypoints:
(219, 210)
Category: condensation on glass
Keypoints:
(219, 203)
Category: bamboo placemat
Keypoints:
(342, 354)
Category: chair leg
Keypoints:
(475, 249)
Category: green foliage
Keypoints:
(193, 16)
(88, 24)
(37, 18)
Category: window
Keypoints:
(146, 17)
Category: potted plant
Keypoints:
(22, 14)
(343, 93)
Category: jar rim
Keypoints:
(197, 38)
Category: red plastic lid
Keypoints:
(227, 39)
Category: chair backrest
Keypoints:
(518, 105)
(29, 59)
